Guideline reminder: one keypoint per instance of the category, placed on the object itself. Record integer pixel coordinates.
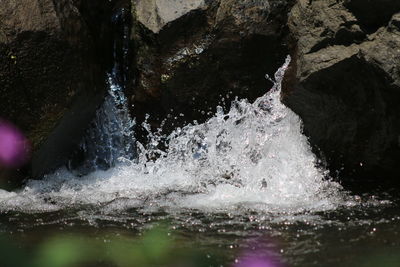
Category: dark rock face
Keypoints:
(51, 73)
(193, 55)
(371, 14)
(345, 83)
(189, 56)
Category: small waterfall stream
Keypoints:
(111, 135)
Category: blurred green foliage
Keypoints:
(157, 247)
(387, 258)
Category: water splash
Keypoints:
(252, 158)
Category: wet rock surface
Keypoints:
(155, 14)
(51, 73)
(344, 83)
(187, 57)
(213, 52)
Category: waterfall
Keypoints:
(253, 157)
(111, 134)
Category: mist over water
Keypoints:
(253, 157)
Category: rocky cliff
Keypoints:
(193, 55)
(345, 80)
(189, 56)
(51, 73)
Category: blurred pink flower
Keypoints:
(254, 260)
(14, 147)
(260, 252)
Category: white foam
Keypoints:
(254, 157)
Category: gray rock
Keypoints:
(251, 17)
(205, 57)
(155, 14)
(344, 84)
(50, 77)
(318, 24)
(344, 79)
(14, 17)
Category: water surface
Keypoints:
(245, 180)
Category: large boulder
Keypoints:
(155, 14)
(51, 73)
(193, 55)
(344, 82)
(189, 56)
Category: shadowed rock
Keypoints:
(193, 55)
(51, 75)
(344, 82)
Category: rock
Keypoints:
(372, 14)
(321, 24)
(51, 75)
(155, 14)
(251, 17)
(344, 84)
(190, 56)
(208, 53)
(394, 24)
